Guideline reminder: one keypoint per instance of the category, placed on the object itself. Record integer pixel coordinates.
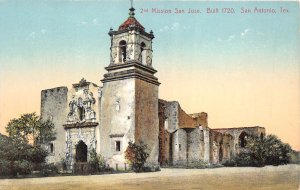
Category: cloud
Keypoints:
(92, 22)
(230, 38)
(35, 35)
(95, 21)
(174, 26)
(43, 31)
(245, 32)
(83, 22)
(32, 35)
(248, 32)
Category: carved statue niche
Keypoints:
(81, 109)
(72, 115)
(90, 114)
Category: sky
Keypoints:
(240, 68)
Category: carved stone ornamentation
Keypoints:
(149, 58)
(129, 52)
(81, 108)
(114, 54)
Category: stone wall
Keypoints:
(207, 144)
(117, 122)
(74, 136)
(164, 135)
(171, 114)
(185, 120)
(200, 118)
(179, 147)
(236, 132)
(146, 118)
(54, 106)
(195, 145)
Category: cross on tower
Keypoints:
(131, 2)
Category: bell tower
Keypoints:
(129, 101)
(131, 43)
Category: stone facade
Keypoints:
(186, 138)
(126, 108)
(54, 104)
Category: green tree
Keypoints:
(31, 128)
(136, 155)
(269, 150)
(23, 150)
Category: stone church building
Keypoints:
(126, 107)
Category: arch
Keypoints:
(243, 139)
(81, 113)
(143, 53)
(81, 152)
(261, 135)
(220, 152)
(122, 51)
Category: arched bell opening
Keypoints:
(122, 51)
(143, 53)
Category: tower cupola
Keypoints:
(131, 43)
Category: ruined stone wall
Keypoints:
(54, 106)
(216, 143)
(146, 118)
(200, 119)
(227, 146)
(180, 147)
(171, 112)
(117, 121)
(195, 145)
(191, 140)
(164, 135)
(236, 132)
(185, 121)
(207, 144)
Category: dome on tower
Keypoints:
(131, 22)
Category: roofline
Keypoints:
(54, 88)
(237, 128)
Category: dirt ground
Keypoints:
(266, 178)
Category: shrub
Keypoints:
(48, 169)
(230, 163)
(197, 164)
(269, 150)
(63, 162)
(4, 167)
(136, 155)
(295, 157)
(97, 162)
(22, 167)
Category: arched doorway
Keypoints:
(81, 152)
(243, 139)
